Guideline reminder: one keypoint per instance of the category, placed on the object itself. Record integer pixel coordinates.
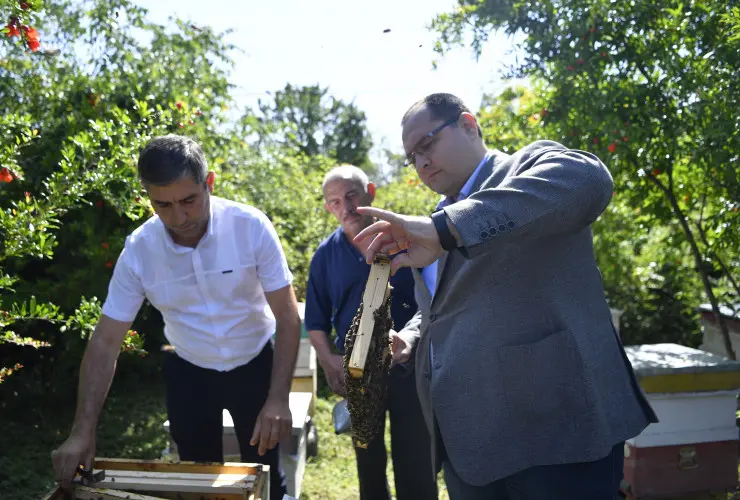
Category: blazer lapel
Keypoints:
(440, 267)
(486, 171)
(421, 286)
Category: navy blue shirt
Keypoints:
(336, 283)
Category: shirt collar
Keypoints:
(465, 191)
(345, 242)
(209, 225)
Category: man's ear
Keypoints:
(469, 123)
(371, 190)
(210, 180)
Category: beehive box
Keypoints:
(712, 340)
(694, 447)
(156, 479)
(293, 452)
(305, 374)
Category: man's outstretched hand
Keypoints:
(395, 233)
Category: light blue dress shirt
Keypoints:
(429, 273)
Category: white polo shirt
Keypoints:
(212, 296)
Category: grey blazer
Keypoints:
(528, 369)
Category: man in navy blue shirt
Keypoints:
(336, 283)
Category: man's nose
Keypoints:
(349, 206)
(421, 161)
(180, 215)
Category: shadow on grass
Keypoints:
(130, 427)
(332, 475)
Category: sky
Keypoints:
(341, 45)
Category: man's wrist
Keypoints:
(84, 429)
(281, 395)
(324, 355)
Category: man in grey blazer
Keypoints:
(522, 378)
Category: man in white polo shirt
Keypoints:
(212, 267)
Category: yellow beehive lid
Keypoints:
(668, 368)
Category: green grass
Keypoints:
(131, 427)
(333, 474)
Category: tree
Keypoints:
(652, 89)
(310, 121)
(73, 125)
(80, 105)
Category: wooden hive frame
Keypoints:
(141, 479)
(376, 292)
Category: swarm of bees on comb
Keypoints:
(367, 358)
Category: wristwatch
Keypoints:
(446, 239)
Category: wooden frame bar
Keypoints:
(156, 480)
(376, 291)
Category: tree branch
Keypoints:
(708, 289)
(723, 267)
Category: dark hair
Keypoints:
(169, 158)
(442, 106)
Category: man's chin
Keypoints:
(353, 227)
(438, 188)
(431, 184)
(185, 231)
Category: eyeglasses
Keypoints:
(426, 142)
